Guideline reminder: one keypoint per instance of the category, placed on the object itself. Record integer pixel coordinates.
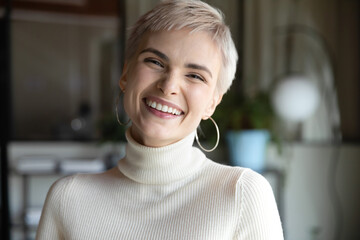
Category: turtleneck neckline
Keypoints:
(161, 165)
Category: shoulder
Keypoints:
(254, 193)
(254, 183)
(219, 168)
(254, 202)
(64, 186)
(257, 208)
(58, 188)
(53, 206)
(242, 178)
(224, 174)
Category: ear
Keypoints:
(123, 78)
(212, 105)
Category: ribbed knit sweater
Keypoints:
(171, 192)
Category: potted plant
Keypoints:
(248, 121)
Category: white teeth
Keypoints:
(163, 108)
(159, 106)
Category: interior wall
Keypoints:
(264, 51)
(320, 201)
(56, 67)
(348, 68)
(309, 198)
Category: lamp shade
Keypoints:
(295, 98)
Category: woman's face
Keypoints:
(170, 85)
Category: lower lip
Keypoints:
(160, 114)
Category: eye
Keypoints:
(154, 61)
(196, 77)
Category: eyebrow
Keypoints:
(166, 58)
(156, 52)
(199, 67)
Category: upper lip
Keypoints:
(164, 102)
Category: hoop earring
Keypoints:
(117, 113)
(217, 138)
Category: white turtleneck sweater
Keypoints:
(172, 192)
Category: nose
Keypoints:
(169, 85)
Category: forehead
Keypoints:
(181, 42)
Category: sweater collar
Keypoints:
(161, 165)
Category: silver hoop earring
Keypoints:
(217, 138)
(117, 113)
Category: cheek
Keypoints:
(199, 99)
(135, 81)
(138, 82)
(131, 91)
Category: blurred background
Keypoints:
(295, 103)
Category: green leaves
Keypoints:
(237, 112)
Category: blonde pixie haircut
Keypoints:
(194, 15)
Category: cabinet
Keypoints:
(37, 183)
(28, 188)
(24, 226)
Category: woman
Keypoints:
(180, 60)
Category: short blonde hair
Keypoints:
(197, 16)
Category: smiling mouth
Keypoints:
(163, 108)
